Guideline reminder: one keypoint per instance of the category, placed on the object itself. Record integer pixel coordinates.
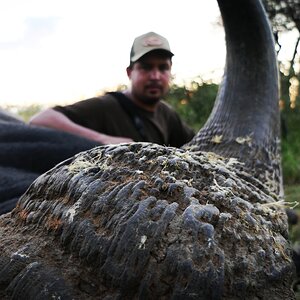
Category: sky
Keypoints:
(61, 51)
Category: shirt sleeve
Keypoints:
(86, 112)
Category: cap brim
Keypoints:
(141, 54)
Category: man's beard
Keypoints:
(149, 100)
(152, 98)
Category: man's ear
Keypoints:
(129, 70)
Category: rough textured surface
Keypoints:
(143, 221)
(245, 120)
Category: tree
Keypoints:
(284, 17)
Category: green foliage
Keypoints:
(291, 146)
(194, 104)
(25, 112)
(290, 121)
(292, 193)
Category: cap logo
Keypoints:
(152, 41)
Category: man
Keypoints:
(137, 114)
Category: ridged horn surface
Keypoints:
(244, 122)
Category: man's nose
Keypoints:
(154, 74)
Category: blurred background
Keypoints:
(61, 51)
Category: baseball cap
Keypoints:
(148, 42)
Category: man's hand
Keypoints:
(108, 139)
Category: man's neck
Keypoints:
(141, 104)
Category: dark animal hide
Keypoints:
(28, 151)
(143, 221)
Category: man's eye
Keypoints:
(164, 68)
(147, 68)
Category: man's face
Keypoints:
(150, 78)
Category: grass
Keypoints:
(292, 194)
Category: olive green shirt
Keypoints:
(106, 115)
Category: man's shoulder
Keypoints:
(93, 106)
(165, 108)
(101, 101)
(104, 98)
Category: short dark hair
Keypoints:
(161, 52)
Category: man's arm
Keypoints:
(54, 119)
